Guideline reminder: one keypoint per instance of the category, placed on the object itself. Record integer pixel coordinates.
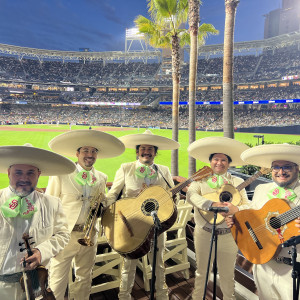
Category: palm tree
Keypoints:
(197, 38)
(163, 30)
(230, 11)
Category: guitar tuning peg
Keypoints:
(20, 243)
(32, 243)
(30, 238)
(22, 249)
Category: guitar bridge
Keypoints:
(253, 235)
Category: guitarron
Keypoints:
(128, 224)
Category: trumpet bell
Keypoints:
(85, 242)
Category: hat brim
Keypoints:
(67, 143)
(264, 155)
(49, 163)
(132, 140)
(203, 148)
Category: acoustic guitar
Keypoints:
(228, 193)
(260, 233)
(128, 224)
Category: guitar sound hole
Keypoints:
(275, 223)
(225, 197)
(148, 206)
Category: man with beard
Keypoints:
(129, 181)
(273, 279)
(25, 210)
(79, 191)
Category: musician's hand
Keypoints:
(297, 221)
(34, 260)
(229, 221)
(232, 209)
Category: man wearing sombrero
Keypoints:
(219, 152)
(25, 210)
(130, 180)
(78, 192)
(273, 279)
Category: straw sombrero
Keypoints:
(203, 148)
(148, 138)
(264, 155)
(68, 143)
(47, 162)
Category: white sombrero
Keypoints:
(148, 138)
(203, 148)
(68, 143)
(49, 163)
(264, 155)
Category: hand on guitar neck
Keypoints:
(32, 261)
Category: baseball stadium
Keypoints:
(44, 93)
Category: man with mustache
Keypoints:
(25, 210)
(129, 181)
(273, 279)
(78, 192)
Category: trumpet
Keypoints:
(90, 222)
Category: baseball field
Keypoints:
(40, 135)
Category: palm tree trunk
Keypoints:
(228, 114)
(194, 19)
(175, 106)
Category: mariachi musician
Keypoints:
(273, 279)
(78, 192)
(129, 181)
(25, 210)
(220, 153)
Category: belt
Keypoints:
(219, 231)
(78, 227)
(11, 278)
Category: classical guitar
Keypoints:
(35, 282)
(128, 224)
(228, 193)
(260, 233)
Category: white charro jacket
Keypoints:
(130, 185)
(70, 192)
(48, 229)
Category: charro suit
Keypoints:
(227, 249)
(48, 229)
(273, 279)
(72, 196)
(130, 185)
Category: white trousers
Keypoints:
(226, 257)
(273, 281)
(11, 291)
(129, 270)
(84, 260)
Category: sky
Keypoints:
(100, 24)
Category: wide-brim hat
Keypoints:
(148, 138)
(49, 163)
(67, 143)
(264, 155)
(203, 148)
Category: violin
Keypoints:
(34, 282)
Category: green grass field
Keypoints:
(110, 166)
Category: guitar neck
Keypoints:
(289, 215)
(177, 188)
(248, 181)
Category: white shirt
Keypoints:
(14, 256)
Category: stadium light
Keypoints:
(134, 33)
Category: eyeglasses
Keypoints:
(286, 168)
